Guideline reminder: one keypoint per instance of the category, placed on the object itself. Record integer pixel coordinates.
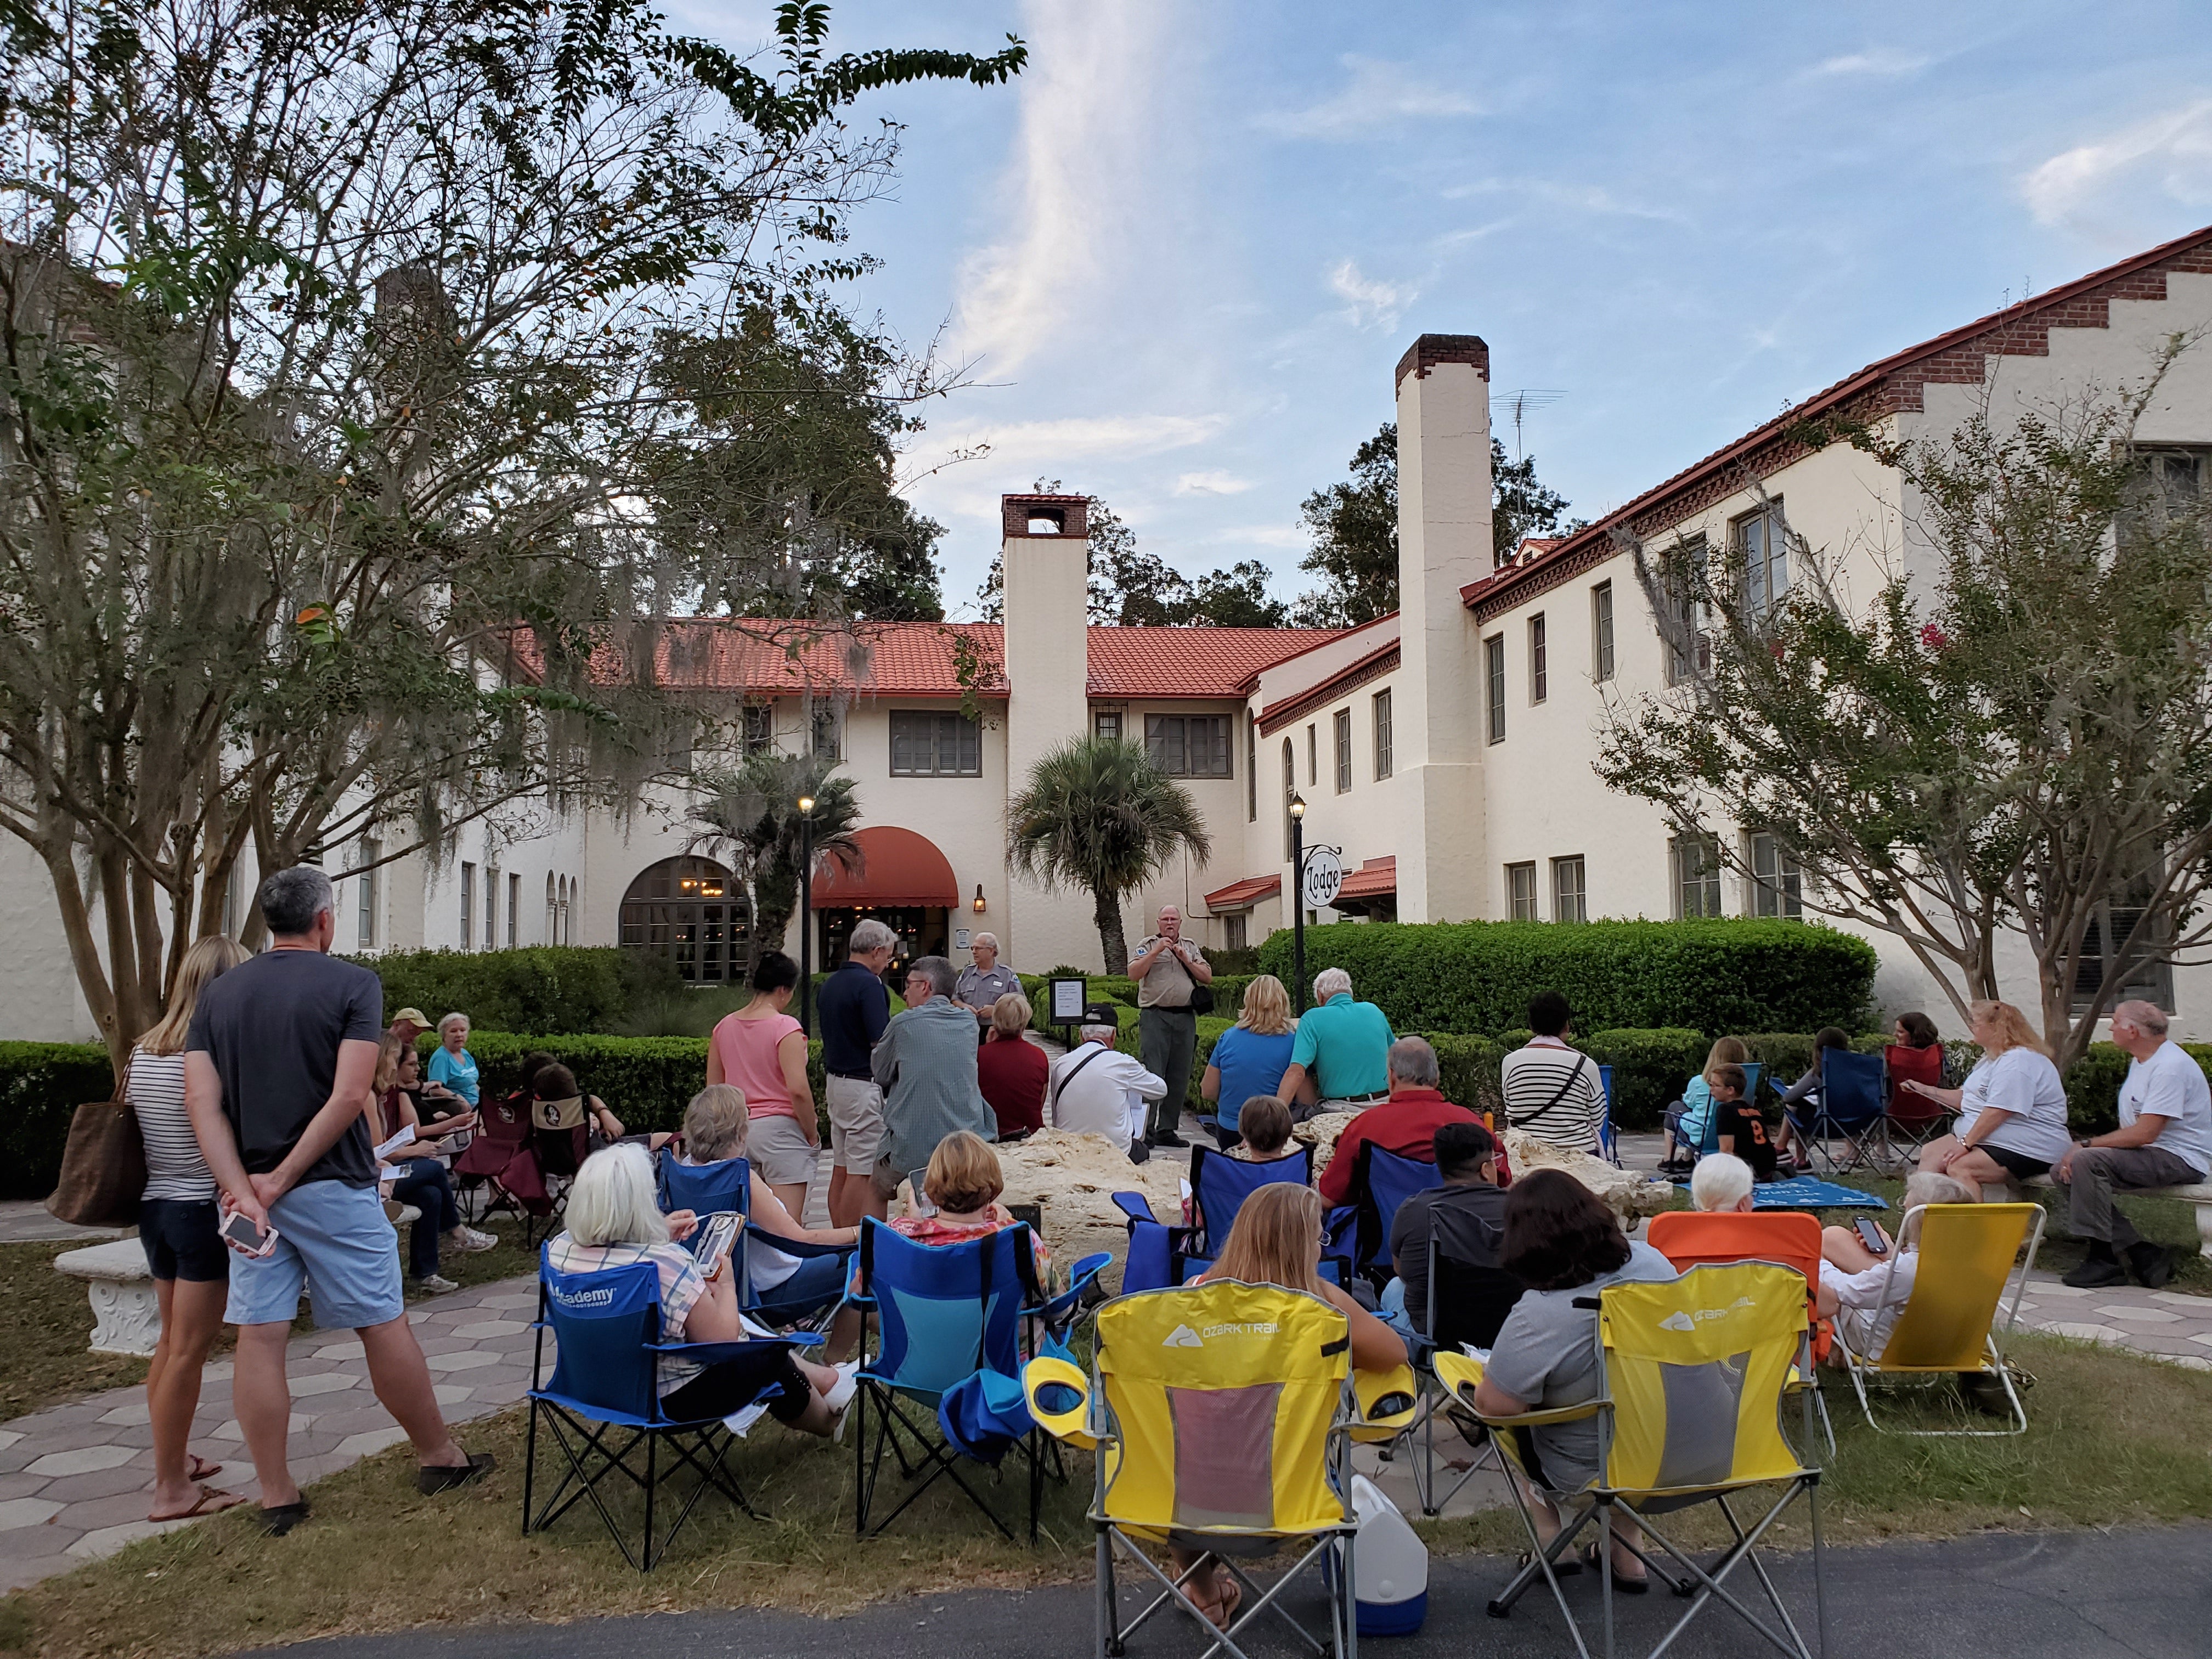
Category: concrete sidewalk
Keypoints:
(2134, 1594)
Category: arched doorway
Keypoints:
(692, 911)
(903, 880)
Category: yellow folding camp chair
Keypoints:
(1222, 1415)
(1691, 1377)
(1950, 1325)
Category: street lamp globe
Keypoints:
(1297, 806)
(806, 803)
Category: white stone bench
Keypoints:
(2198, 1194)
(126, 1315)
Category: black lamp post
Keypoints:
(806, 915)
(1298, 898)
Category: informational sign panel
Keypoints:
(1066, 1001)
(1324, 876)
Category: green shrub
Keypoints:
(1467, 1068)
(41, 1086)
(1711, 977)
(1245, 961)
(1210, 1028)
(1649, 1070)
(540, 987)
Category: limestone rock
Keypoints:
(1628, 1193)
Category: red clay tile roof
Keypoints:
(918, 659)
(1894, 384)
(1354, 675)
(1371, 879)
(1239, 894)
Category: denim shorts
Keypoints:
(335, 1238)
(180, 1241)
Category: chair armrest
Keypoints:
(1541, 1420)
(1135, 1205)
(1083, 1291)
(797, 1247)
(1045, 1381)
(709, 1353)
(1456, 1371)
(1370, 1391)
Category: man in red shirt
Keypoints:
(1406, 1124)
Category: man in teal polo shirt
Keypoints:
(1342, 1054)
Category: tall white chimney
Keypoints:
(1443, 545)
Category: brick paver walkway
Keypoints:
(74, 1479)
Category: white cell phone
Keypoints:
(239, 1232)
(718, 1235)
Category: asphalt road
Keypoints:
(2142, 1594)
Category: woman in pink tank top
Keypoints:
(761, 1051)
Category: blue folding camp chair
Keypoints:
(945, 1313)
(1850, 1108)
(1219, 1184)
(1609, 1136)
(606, 1327)
(1381, 1182)
(726, 1185)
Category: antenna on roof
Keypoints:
(1521, 402)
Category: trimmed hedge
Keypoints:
(539, 988)
(1712, 976)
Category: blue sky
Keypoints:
(1185, 249)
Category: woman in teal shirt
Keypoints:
(453, 1067)
(1250, 1057)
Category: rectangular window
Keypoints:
(1776, 885)
(1107, 724)
(1696, 861)
(1520, 892)
(369, 879)
(2113, 928)
(1383, 759)
(514, 911)
(1493, 664)
(1539, 662)
(934, 745)
(1690, 618)
(468, 905)
(1569, 894)
(1343, 725)
(759, 724)
(1233, 932)
(1762, 540)
(824, 724)
(1251, 770)
(491, 908)
(1313, 758)
(1189, 745)
(1602, 631)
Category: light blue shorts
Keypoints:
(334, 1237)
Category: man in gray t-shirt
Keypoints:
(277, 1068)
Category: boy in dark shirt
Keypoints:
(1742, 1130)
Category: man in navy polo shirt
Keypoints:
(854, 1008)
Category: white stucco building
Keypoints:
(1446, 748)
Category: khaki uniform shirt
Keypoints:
(1167, 984)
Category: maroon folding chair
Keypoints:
(1908, 1115)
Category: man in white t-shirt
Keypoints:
(1095, 1089)
(2165, 1139)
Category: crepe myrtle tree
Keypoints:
(2016, 739)
(371, 378)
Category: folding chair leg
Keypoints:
(529, 1465)
(1109, 1611)
(1820, 1568)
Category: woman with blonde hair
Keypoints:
(714, 1125)
(177, 1222)
(423, 1179)
(1277, 1240)
(2012, 1108)
(1250, 1057)
(1012, 1071)
(1688, 1126)
(959, 1198)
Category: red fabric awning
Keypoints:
(1242, 895)
(898, 868)
(1376, 878)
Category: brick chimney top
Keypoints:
(1425, 353)
(1045, 515)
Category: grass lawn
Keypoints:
(2114, 1438)
(47, 1320)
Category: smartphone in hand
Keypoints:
(1870, 1235)
(239, 1232)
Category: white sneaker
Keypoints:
(469, 1241)
(435, 1284)
(847, 1384)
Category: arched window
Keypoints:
(570, 909)
(691, 911)
(552, 912)
(1290, 783)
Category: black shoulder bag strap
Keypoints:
(1573, 1078)
(1060, 1087)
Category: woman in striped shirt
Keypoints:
(176, 1223)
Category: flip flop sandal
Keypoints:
(1623, 1584)
(432, 1481)
(281, 1518)
(1566, 1567)
(211, 1500)
(202, 1469)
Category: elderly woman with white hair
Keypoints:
(1341, 1057)
(452, 1068)
(1863, 1292)
(613, 1221)
(1722, 1183)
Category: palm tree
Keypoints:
(750, 818)
(1096, 814)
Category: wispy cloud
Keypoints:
(1586, 198)
(1373, 304)
(1214, 483)
(1877, 60)
(2170, 154)
(1378, 95)
(1087, 128)
(1258, 535)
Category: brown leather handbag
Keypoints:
(103, 1168)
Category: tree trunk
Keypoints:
(1107, 908)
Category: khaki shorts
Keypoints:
(856, 1122)
(780, 1150)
